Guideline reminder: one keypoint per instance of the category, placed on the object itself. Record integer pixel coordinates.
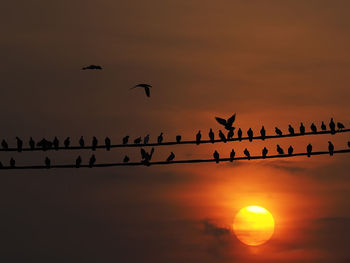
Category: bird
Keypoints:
(1, 166)
(232, 155)
(42, 144)
(146, 139)
(227, 123)
(137, 140)
(198, 137)
(290, 129)
(330, 148)
(66, 142)
(290, 150)
(108, 143)
(309, 150)
(47, 162)
(146, 87)
(126, 140)
(278, 131)
(264, 152)
(94, 143)
(332, 126)
(211, 135)
(349, 144)
(56, 143)
(81, 142)
(216, 156)
(250, 134)
(340, 126)
(4, 145)
(279, 149)
(92, 161)
(313, 128)
(160, 138)
(92, 67)
(222, 136)
(126, 159)
(230, 134)
(239, 134)
(31, 143)
(323, 126)
(171, 157)
(146, 157)
(19, 144)
(78, 162)
(178, 138)
(302, 128)
(246, 152)
(12, 162)
(263, 132)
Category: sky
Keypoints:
(273, 63)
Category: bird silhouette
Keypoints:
(94, 143)
(323, 126)
(19, 144)
(146, 157)
(92, 67)
(1, 166)
(108, 143)
(264, 152)
(198, 137)
(290, 129)
(4, 145)
(126, 140)
(222, 136)
(340, 126)
(246, 152)
(227, 123)
(278, 131)
(66, 142)
(146, 139)
(263, 132)
(55, 143)
(47, 162)
(250, 134)
(309, 150)
(232, 155)
(290, 150)
(45, 144)
(146, 87)
(239, 134)
(332, 126)
(349, 144)
(137, 140)
(279, 150)
(216, 156)
(78, 162)
(12, 162)
(178, 138)
(81, 142)
(171, 157)
(92, 161)
(211, 135)
(302, 128)
(330, 148)
(160, 138)
(126, 159)
(31, 143)
(230, 134)
(313, 128)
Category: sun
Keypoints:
(253, 225)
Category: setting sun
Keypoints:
(253, 225)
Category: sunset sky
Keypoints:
(273, 63)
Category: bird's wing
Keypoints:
(143, 153)
(231, 120)
(220, 120)
(148, 92)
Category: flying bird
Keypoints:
(291, 129)
(278, 131)
(31, 143)
(330, 148)
(263, 132)
(126, 159)
(302, 128)
(125, 140)
(250, 134)
(323, 126)
(12, 162)
(144, 86)
(171, 157)
(279, 149)
(146, 157)
(313, 128)
(290, 150)
(78, 162)
(55, 143)
(108, 143)
(4, 144)
(222, 136)
(92, 161)
(227, 123)
(246, 152)
(232, 155)
(239, 134)
(178, 138)
(94, 143)
(47, 162)
(160, 138)
(82, 142)
(146, 139)
(340, 126)
(264, 152)
(332, 126)
(211, 135)
(137, 140)
(198, 137)
(19, 144)
(66, 142)
(92, 67)
(309, 150)
(216, 156)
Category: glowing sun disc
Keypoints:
(253, 225)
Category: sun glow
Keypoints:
(253, 225)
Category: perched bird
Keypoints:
(146, 157)
(12, 162)
(332, 126)
(108, 143)
(222, 136)
(313, 128)
(227, 123)
(250, 134)
(291, 129)
(43, 144)
(178, 138)
(78, 162)
(349, 144)
(340, 126)
(138, 140)
(160, 138)
(1, 166)
(264, 152)
(232, 155)
(198, 137)
(246, 152)
(290, 150)
(126, 159)
(279, 150)
(211, 135)
(92, 161)
(31, 143)
(216, 156)
(309, 150)
(4, 145)
(126, 140)
(330, 148)
(302, 128)
(81, 142)
(146, 139)
(146, 87)
(323, 126)
(230, 134)
(47, 162)
(92, 67)
(239, 134)
(171, 157)
(278, 131)
(19, 144)
(66, 142)
(55, 143)
(94, 143)
(263, 132)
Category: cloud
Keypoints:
(214, 230)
